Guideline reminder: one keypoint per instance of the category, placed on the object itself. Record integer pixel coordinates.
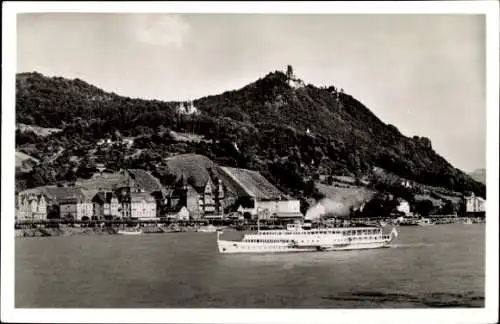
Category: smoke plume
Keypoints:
(340, 207)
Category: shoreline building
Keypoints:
(32, 206)
(78, 207)
(257, 196)
(474, 204)
(106, 205)
(203, 201)
(197, 186)
(39, 203)
(142, 205)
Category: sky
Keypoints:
(425, 74)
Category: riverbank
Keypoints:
(64, 230)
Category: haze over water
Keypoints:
(435, 266)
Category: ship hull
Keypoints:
(232, 247)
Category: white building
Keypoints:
(187, 109)
(128, 142)
(474, 204)
(142, 205)
(262, 197)
(273, 208)
(406, 184)
(32, 207)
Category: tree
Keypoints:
(26, 137)
(53, 212)
(447, 209)
(165, 177)
(424, 207)
(191, 181)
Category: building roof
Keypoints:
(89, 194)
(191, 166)
(249, 183)
(140, 196)
(104, 197)
(61, 194)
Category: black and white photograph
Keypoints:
(250, 162)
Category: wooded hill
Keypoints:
(291, 134)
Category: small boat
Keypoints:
(468, 221)
(408, 223)
(135, 232)
(207, 229)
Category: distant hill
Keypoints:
(290, 131)
(479, 175)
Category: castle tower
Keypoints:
(289, 72)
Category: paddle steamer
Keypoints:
(302, 238)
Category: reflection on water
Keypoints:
(438, 266)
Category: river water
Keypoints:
(433, 266)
